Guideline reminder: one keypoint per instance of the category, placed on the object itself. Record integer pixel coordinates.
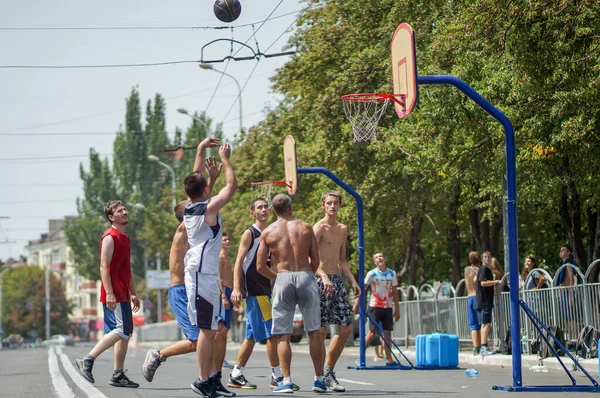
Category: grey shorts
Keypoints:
(291, 289)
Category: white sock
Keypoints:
(276, 372)
(319, 378)
(287, 380)
(237, 371)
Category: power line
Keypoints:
(98, 66)
(37, 201)
(252, 72)
(191, 27)
(52, 157)
(228, 60)
(42, 184)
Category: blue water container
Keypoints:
(437, 350)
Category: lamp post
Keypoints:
(154, 158)
(47, 276)
(184, 111)
(210, 67)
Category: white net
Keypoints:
(265, 190)
(364, 116)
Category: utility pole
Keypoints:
(48, 296)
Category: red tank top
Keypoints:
(119, 268)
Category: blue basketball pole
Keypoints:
(513, 250)
(511, 200)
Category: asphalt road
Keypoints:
(50, 372)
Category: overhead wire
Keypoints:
(248, 79)
(191, 27)
(228, 61)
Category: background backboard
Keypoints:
(290, 164)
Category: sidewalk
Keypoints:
(465, 359)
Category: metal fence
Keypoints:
(427, 309)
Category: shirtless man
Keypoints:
(292, 242)
(335, 309)
(177, 295)
(472, 314)
(226, 278)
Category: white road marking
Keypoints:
(61, 387)
(362, 383)
(82, 383)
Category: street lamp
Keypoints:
(154, 158)
(184, 111)
(210, 67)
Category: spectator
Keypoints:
(485, 300)
(566, 278)
(537, 279)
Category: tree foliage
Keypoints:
(24, 303)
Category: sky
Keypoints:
(50, 118)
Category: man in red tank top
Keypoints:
(116, 294)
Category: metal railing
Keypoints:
(445, 309)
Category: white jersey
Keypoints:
(204, 240)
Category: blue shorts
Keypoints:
(473, 314)
(485, 315)
(258, 318)
(225, 315)
(119, 321)
(179, 302)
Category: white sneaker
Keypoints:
(332, 383)
(486, 351)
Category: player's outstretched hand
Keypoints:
(225, 151)
(209, 142)
(214, 169)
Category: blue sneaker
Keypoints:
(319, 386)
(391, 364)
(288, 388)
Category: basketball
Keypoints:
(227, 10)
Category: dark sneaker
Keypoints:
(85, 366)
(332, 383)
(240, 382)
(219, 388)
(122, 381)
(151, 363)
(275, 381)
(204, 388)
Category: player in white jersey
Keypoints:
(204, 230)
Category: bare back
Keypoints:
(470, 276)
(291, 242)
(331, 240)
(179, 247)
(225, 271)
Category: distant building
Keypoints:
(52, 250)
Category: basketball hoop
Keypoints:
(364, 111)
(264, 190)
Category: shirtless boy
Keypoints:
(335, 309)
(226, 278)
(292, 242)
(472, 314)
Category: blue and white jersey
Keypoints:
(204, 240)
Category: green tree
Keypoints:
(23, 303)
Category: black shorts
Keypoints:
(485, 315)
(385, 316)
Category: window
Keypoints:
(55, 256)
